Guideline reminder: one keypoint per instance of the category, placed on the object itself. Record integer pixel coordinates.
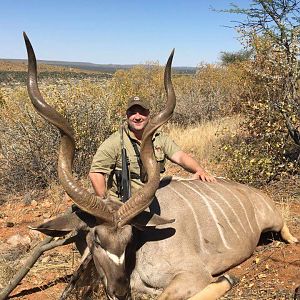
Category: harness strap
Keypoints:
(137, 152)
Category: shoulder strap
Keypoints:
(137, 152)
(125, 186)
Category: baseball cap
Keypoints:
(136, 100)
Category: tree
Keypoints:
(278, 22)
(271, 102)
(233, 57)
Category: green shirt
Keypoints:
(108, 156)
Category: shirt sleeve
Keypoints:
(104, 160)
(168, 145)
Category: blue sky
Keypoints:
(118, 32)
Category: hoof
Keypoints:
(231, 279)
(293, 240)
(297, 293)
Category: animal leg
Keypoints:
(287, 236)
(215, 289)
(186, 284)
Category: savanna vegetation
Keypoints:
(239, 117)
(267, 144)
(95, 109)
(257, 86)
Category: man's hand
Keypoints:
(202, 175)
(191, 165)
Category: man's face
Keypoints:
(137, 117)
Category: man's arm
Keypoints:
(99, 183)
(191, 165)
(103, 163)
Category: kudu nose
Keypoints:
(120, 289)
(124, 297)
(117, 296)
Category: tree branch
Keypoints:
(47, 244)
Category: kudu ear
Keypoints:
(60, 226)
(148, 219)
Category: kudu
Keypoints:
(217, 225)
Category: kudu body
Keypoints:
(217, 225)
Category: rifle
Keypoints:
(125, 191)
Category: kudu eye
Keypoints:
(97, 240)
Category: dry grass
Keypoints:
(203, 140)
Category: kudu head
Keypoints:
(107, 223)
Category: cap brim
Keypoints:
(143, 105)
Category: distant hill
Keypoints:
(85, 66)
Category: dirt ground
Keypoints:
(272, 272)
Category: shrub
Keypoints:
(29, 144)
(144, 80)
(263, 146)
(270, 30)
(212, 93)
(95, 109)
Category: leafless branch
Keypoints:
(47, 244)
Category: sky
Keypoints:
(119, 31)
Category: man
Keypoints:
(107, 160)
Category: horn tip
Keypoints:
(172, 52)
(171, 56)
(25, 35)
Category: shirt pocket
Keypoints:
(159, 154)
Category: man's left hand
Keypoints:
(202, 175)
